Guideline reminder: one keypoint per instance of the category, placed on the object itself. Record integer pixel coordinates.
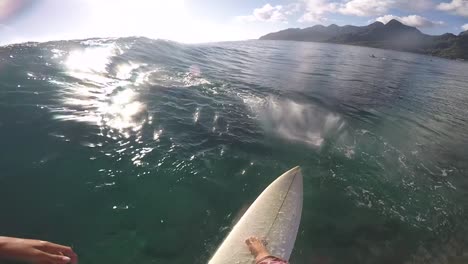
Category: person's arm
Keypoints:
(35, 251)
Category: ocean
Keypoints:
(135, 150)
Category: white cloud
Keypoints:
(292, 9)
(379, 7)
(412, 20)
(465, 27)
(267, 13)
(316, 10)
(459, 7)
(416, 5)
(366, 7)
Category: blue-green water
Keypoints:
(141, 151)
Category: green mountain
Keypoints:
(393, 35)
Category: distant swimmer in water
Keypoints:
(35, 251)
(260, 252)
(372, 56)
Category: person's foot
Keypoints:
(257, 248)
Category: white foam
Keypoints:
(294, 121)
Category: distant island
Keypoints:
(393, 35)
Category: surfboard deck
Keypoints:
(274, 216)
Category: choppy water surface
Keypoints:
(142, 151)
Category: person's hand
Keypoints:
(36, 251)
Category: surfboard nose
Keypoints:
(296, 169)
(293, 173)
(292, 177)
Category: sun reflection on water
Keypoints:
(101, 87)
(90, 59)
(99, 94)
(121, 113)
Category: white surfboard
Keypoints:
(274, 216)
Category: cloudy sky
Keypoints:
(213, 20)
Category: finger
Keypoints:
(61, 250)
(52, 247)
(74, 258)
(53, 259)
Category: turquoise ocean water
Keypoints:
(146, 151)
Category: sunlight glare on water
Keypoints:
(93, 59)
(122, 110)
(110, 100)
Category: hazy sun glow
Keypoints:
(78, 19)
(157, 19)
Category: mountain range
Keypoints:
(393, 35)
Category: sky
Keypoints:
(195, 21)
